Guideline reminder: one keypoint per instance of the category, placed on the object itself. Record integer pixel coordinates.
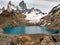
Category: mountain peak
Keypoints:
(22, 4)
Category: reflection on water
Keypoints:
(29, 30)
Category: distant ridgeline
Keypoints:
(22, 8)
(12, 8)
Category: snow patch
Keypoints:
(33, 17)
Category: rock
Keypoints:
(1, 30)
(22, 4)
(58, 43)
(48, 40)
(9, 6)
(51, 43)
(25, 38)
(28, 40)
(43, 42)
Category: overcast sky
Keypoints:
(44, 5)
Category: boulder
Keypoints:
(1, 30)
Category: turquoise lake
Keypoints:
(29, 30)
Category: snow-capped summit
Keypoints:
(37, 11)
(34, 16)
(22, 4)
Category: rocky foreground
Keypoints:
(34, 39)
(29, 39)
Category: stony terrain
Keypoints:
(29, 39)
(34, 39)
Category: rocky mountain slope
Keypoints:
(11, 19)
(52, 20)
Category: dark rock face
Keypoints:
(22, 4)
(55, 9)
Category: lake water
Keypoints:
(29, 30)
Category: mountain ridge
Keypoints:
(52, 20)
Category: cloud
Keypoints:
(45, 2)
(53, 0)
